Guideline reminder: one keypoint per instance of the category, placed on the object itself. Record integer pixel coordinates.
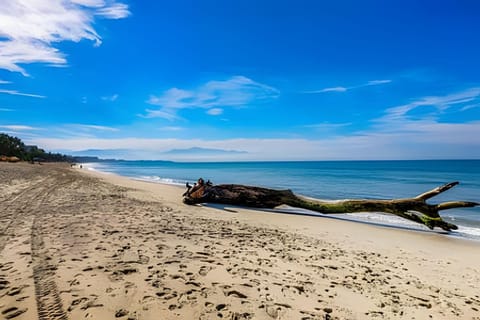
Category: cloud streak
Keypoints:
(111, 98)
(114, 11)
(30, 28)
(19, 127)
(215, 111)
(334, 89)
(91, 127)
(344, 89)
(17, 93)
(375, 83)
(400, 114)
(214, 95)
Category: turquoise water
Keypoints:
(332, 180)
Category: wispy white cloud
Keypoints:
(344, 89)
(173, 98)
(30, 28)
(81, 131)
(470, 106)
(167, 114)
(399, 135)
(14, 53)
(439, 103)
(234, 92)
(18, 127)
(171, 128)
(333, 89)
(92, 127)
(17, 93)
(113, 11)
(376, 82)
(90, 3)
(4, 81)
(327, 126)
(111, 98)
(215, 111)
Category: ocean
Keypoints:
(332, 180)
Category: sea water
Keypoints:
(332, 180)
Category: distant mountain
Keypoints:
(189, 154)
(203, 151)
(85, 159)
(101, 153)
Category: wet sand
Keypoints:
(81, 245)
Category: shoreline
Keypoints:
(110, 247)
(465, 232)
(175, 191)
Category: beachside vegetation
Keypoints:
(14, 149)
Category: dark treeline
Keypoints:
(14, 147)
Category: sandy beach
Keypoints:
(76, 244)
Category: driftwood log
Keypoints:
(415, 209)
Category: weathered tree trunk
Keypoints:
(256, 197)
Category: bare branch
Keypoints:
(456, 204)
(436, 191)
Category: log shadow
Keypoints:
(308, 213)
(221, 207)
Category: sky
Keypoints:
(212, 80)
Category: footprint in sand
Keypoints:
(3, 284)
(14, 291)
(12, 312)
(7, 266)
(242, 316)
(236, 294)
(121, 313)
(204, 270)
(274, 311)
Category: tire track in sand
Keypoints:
(12, 214)
(49, 302)
(33, 205)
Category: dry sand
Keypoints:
(77, 245)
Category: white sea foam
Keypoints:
(158, 179)
(383, 219)
(467, 232)
(94, 167)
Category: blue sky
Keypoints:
(273, 80)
